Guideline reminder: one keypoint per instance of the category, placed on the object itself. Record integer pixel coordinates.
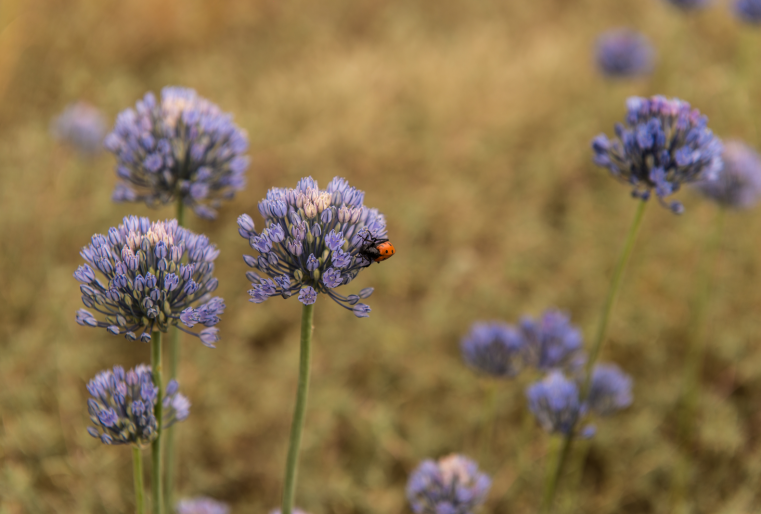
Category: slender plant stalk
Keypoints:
(156, 478)
(297, 425)
(615, 284)
(487, 430)
(137, 475)
(174, 359)
(695, 355)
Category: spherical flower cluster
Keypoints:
(201, 505)
(182, 146)
(689, 5)
(624, 53)
(555, 400)
(147, 285)
(664, 144)
(81, 126)
(453, 485)
(749, 10)
(552, 340)
(314, 243)
(122, 406)
(738, 184)
(496, 349)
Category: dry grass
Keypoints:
(467, 124)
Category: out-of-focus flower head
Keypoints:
(552, 341)
(690, 5)
(555, 403)
(451, 485)
(664, 144)
(80, 126)
(295, 510)
(610, 390)
(182, 146)
(496, 349)
(147, 286)
(201, 505)
(748, 11)
(624, 53)
(738, 184)
(313, 243)
(121, 407)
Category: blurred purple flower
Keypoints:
(690, 5)
(80, 126)
(738, 184)
(451, 485)
(748, 11)
(610, 390)
(552, 341)
(147, 285)
(496, 349)
(664, 144)
(201, 505)
(183, 146)
(122, 406)
(312, 244)
(624, 53)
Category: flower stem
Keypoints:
(695, 354)
(158, 411)
(137, 475)
(487, 430)
(602, 328)
(297, 424)
(174, 358)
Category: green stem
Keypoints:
(487, 430)
(158, 411)
(174, 358)
(602, 328)
(137, 475)
(297, 424)
(696, 354)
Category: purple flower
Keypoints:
(555, 403)
(183, 146)
(664, 144)
(624, 53)
(315, 242)
(451, 485)
(748, 10)
(496, 349)
(201, 505)
(80, 126)
(610, 390)
(552, 341)
(122, 406)
(738, 184)
(146, 285)
(689, 5)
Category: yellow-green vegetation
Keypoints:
(468, 124)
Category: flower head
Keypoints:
(749, 10)
(738, 184)
(147, 285)
(80, 126)
(496, 349)
(624, 53)
(295, 510)
(555, 403)
(552, 341)
(689, 5)
(122, 406)
(451, 485)
(201, 505)
(610, 390)
(182, 146)
(314, 243)
(664, 144)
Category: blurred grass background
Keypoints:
(467, 124)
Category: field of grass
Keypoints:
(467, 123)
